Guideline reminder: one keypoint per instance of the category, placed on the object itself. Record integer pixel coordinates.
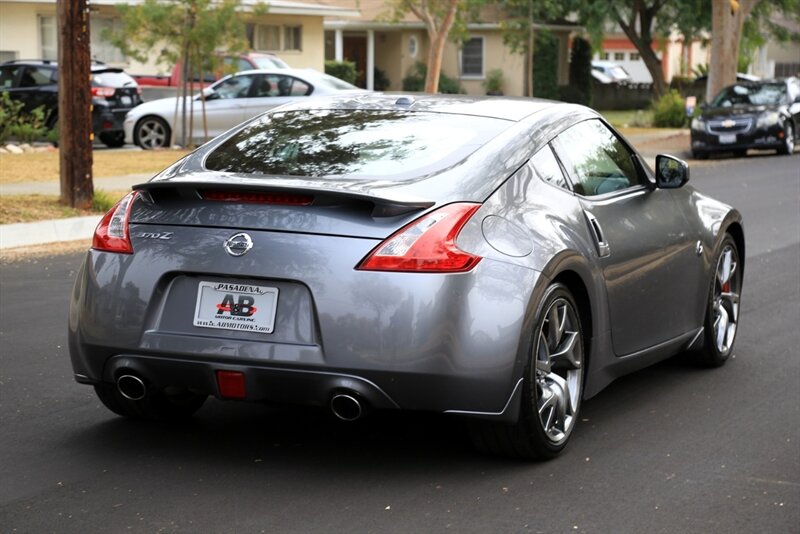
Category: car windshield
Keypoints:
(392, 145)
(750, 95)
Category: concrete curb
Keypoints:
(50, 231)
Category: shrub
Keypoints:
(669, 111)
(379, 80)
(10, 112)
(494, 82)
(545, 65)
(24, 127)
(102, 201)
(580, 73)
(415, 81)
(344, 70)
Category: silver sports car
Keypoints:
(500, 260)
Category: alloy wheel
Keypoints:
(559, 370)
(727, 288)
(152, 134)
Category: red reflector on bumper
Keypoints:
(231, 384)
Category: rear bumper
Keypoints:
(442, 343)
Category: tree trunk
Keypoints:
(74, 104)
(437, 34)
(726, 31)
(643, 41)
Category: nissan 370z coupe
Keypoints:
(497, 259)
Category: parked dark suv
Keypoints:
(114, 93)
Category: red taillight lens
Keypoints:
(426, 245)
(104, 92)
(250, 197)
(111, 235)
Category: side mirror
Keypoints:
(671, 172)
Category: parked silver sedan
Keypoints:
(500, 260)
(228, 102)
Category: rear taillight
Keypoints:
(104, 92)
(112, 235)
(426, 245)
(251, 197)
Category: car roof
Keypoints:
(505, 108)
(95, 65)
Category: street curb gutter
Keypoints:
(51, 231)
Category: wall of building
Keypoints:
(387, 43)
(20, 36)
(495, 56)
(19, 28)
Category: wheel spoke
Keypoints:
(543, 365)
(568, 354)
(721, 327)
(555, 322)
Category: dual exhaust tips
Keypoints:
(345, 405)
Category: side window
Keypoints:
(7, 77)
(235, 87)
(545, 166)
(36, 76)
(597, 160)
(288, 86)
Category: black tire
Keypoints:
(696, 154)
(535, 436)
(157, 405)
(722, 308)
(740, 153)
(152, 132)
(113, 139)
(787, 148)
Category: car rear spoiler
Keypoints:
(384, 204)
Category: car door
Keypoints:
(644, 246)
(34, 85)
(225, 108)
(273, 90)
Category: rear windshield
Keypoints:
(392, 145)
(112, 78)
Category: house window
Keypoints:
(635, 56)
(48, 38)
(619, 56)
(268, 37)
(472, 58)
(292, 37)
(102, 49)
(604, 56)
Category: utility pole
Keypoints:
(75, 103)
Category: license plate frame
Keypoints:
(239, 307)
(727, 139)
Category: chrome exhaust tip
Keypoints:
(131, 387)
(346, 407)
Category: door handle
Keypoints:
(596, 230)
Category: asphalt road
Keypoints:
(673, 448)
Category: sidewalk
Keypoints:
(649, 144)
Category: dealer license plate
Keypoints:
(727, 139)
(231, 306)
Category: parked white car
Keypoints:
(609, 72)
(228, 102)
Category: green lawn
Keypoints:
(629, 118)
